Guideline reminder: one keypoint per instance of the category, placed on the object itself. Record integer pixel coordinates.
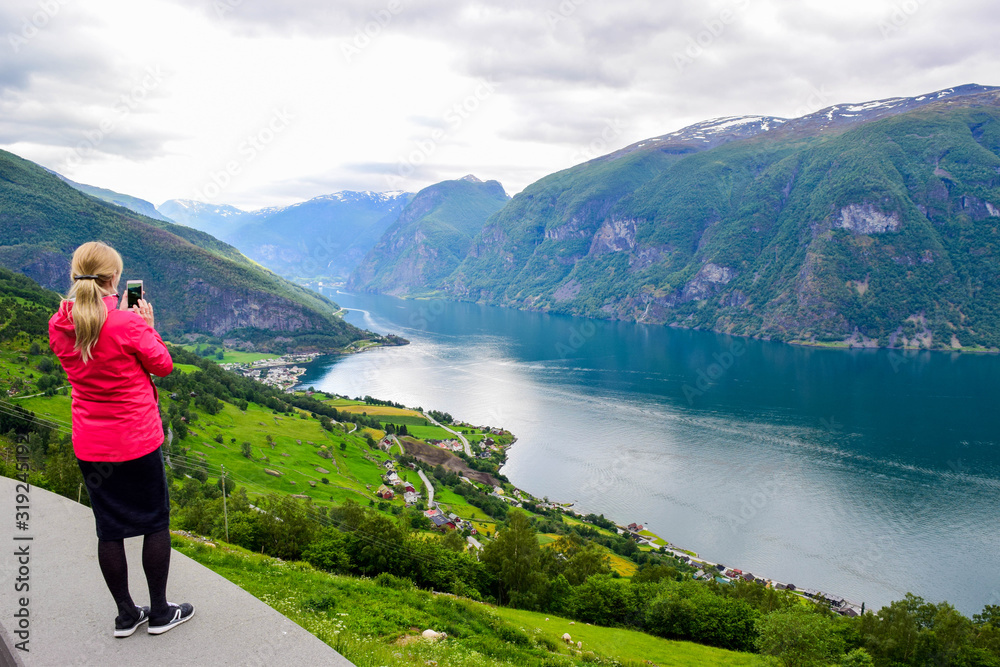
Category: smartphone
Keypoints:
(133, 288)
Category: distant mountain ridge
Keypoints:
(322, 238)
(431, 236)
(215, 219)
(868, 224)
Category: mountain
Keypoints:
(198, 283)
(135, 204)
(217, 220)
(871, 224)
(430, 238)
(323, 238)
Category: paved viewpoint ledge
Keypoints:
(71, 613)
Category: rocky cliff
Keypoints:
(871, 223)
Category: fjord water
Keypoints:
(863, 473)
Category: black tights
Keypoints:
(155, 563)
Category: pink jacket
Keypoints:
(115, 410)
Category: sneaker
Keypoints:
(179, 614)
(124, 627)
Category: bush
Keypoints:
(690, 610)
(799, 637)
(386, 580)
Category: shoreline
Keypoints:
(833, 345)
(838, 604)
(709, 569)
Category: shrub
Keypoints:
(386, 580)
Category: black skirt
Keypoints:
(129, 498)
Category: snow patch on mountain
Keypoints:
(717, 131)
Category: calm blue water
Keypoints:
(862, 473)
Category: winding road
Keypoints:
(430, 489)
(465, 443)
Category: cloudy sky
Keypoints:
(258, 103)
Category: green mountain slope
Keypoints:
(198, 283)
(867, 230)
(134, 204)
(430, 238)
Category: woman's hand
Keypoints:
(145, 309)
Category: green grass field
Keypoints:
(627, 644)
(291, 454)
(655, 539)
(54, 409)
(230, 356)
(386, 411)
(576, 522)
(429, 432)
(457, 504)
(373, 626)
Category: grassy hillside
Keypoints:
(198, 283)
(375, 622)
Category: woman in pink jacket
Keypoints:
(108, 354)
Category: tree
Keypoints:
(230, 485)
(560, 592)
(584, 561)
(330, 551)
(513, 558)
(600, 599)
(380, 546)
(691, 610)
(246, 449)
(286, 527)
(857, 658)
(454, 541)
(654, 573)
(799, 637)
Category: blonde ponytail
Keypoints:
(95, 267)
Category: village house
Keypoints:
(384, 492)
(442, 522)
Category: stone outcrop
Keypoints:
(866, 219)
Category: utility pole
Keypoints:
(225, 511)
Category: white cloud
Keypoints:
(384, 92)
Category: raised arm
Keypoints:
(149, 347)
